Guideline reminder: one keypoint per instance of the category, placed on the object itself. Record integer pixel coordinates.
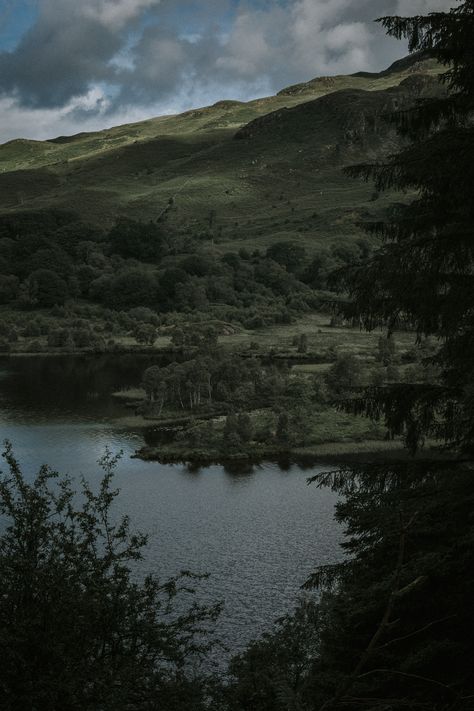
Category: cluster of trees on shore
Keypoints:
(215, 382)
(211, 379)
(232, 403)
(77, 326)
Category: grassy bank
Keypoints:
(367, 452)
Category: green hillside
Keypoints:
(281, 180)
(220, 227)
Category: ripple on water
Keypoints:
(258, 534)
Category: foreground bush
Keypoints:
(77, 631)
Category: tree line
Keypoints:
(51, 258)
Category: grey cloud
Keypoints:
(422, 7)
(114, 14)
(161, 60)
(268, 46)
(59, 57)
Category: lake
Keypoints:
(258, 531)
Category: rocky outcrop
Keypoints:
(350, 115)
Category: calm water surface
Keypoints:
(258, 532)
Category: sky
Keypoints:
(81, 65)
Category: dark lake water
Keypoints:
(258, 532)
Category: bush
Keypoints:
(9, 288)
(5, 346)
(34, 347)
(59, 338)
(32, 328)
(144, 315)
(303, 343)
(77, 630)
(46, 288)
(386, 351)
(82, 338)
(344, 375)
(145, 334)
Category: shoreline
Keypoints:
(327, 451)
(369, 452)
(120, 350)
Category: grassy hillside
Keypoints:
(236, 217)
(281, 180)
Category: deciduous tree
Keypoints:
(78, 630)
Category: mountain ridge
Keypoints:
(419, 61)
(259, 189)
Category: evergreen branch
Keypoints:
(416, 632)
(402, 703)
(385, 622)
(406, 675)
(325, 576)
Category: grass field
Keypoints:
(321, 337)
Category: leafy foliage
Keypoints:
(77, 630)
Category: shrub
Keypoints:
(78, 630)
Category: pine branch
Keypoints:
(388, 703)
(385, 622)
(406, 675)
(416, 632)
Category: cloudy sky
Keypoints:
(79, 65)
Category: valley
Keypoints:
(233, 219)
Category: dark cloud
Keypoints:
(110, 58)
(70, 61)
(66, 51)
(268, 44)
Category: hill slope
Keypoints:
(281, 179)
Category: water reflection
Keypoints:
(67, 387)
(237, 471)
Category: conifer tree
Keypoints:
(394, 621)
(424, 272)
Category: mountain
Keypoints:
(257, 170)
